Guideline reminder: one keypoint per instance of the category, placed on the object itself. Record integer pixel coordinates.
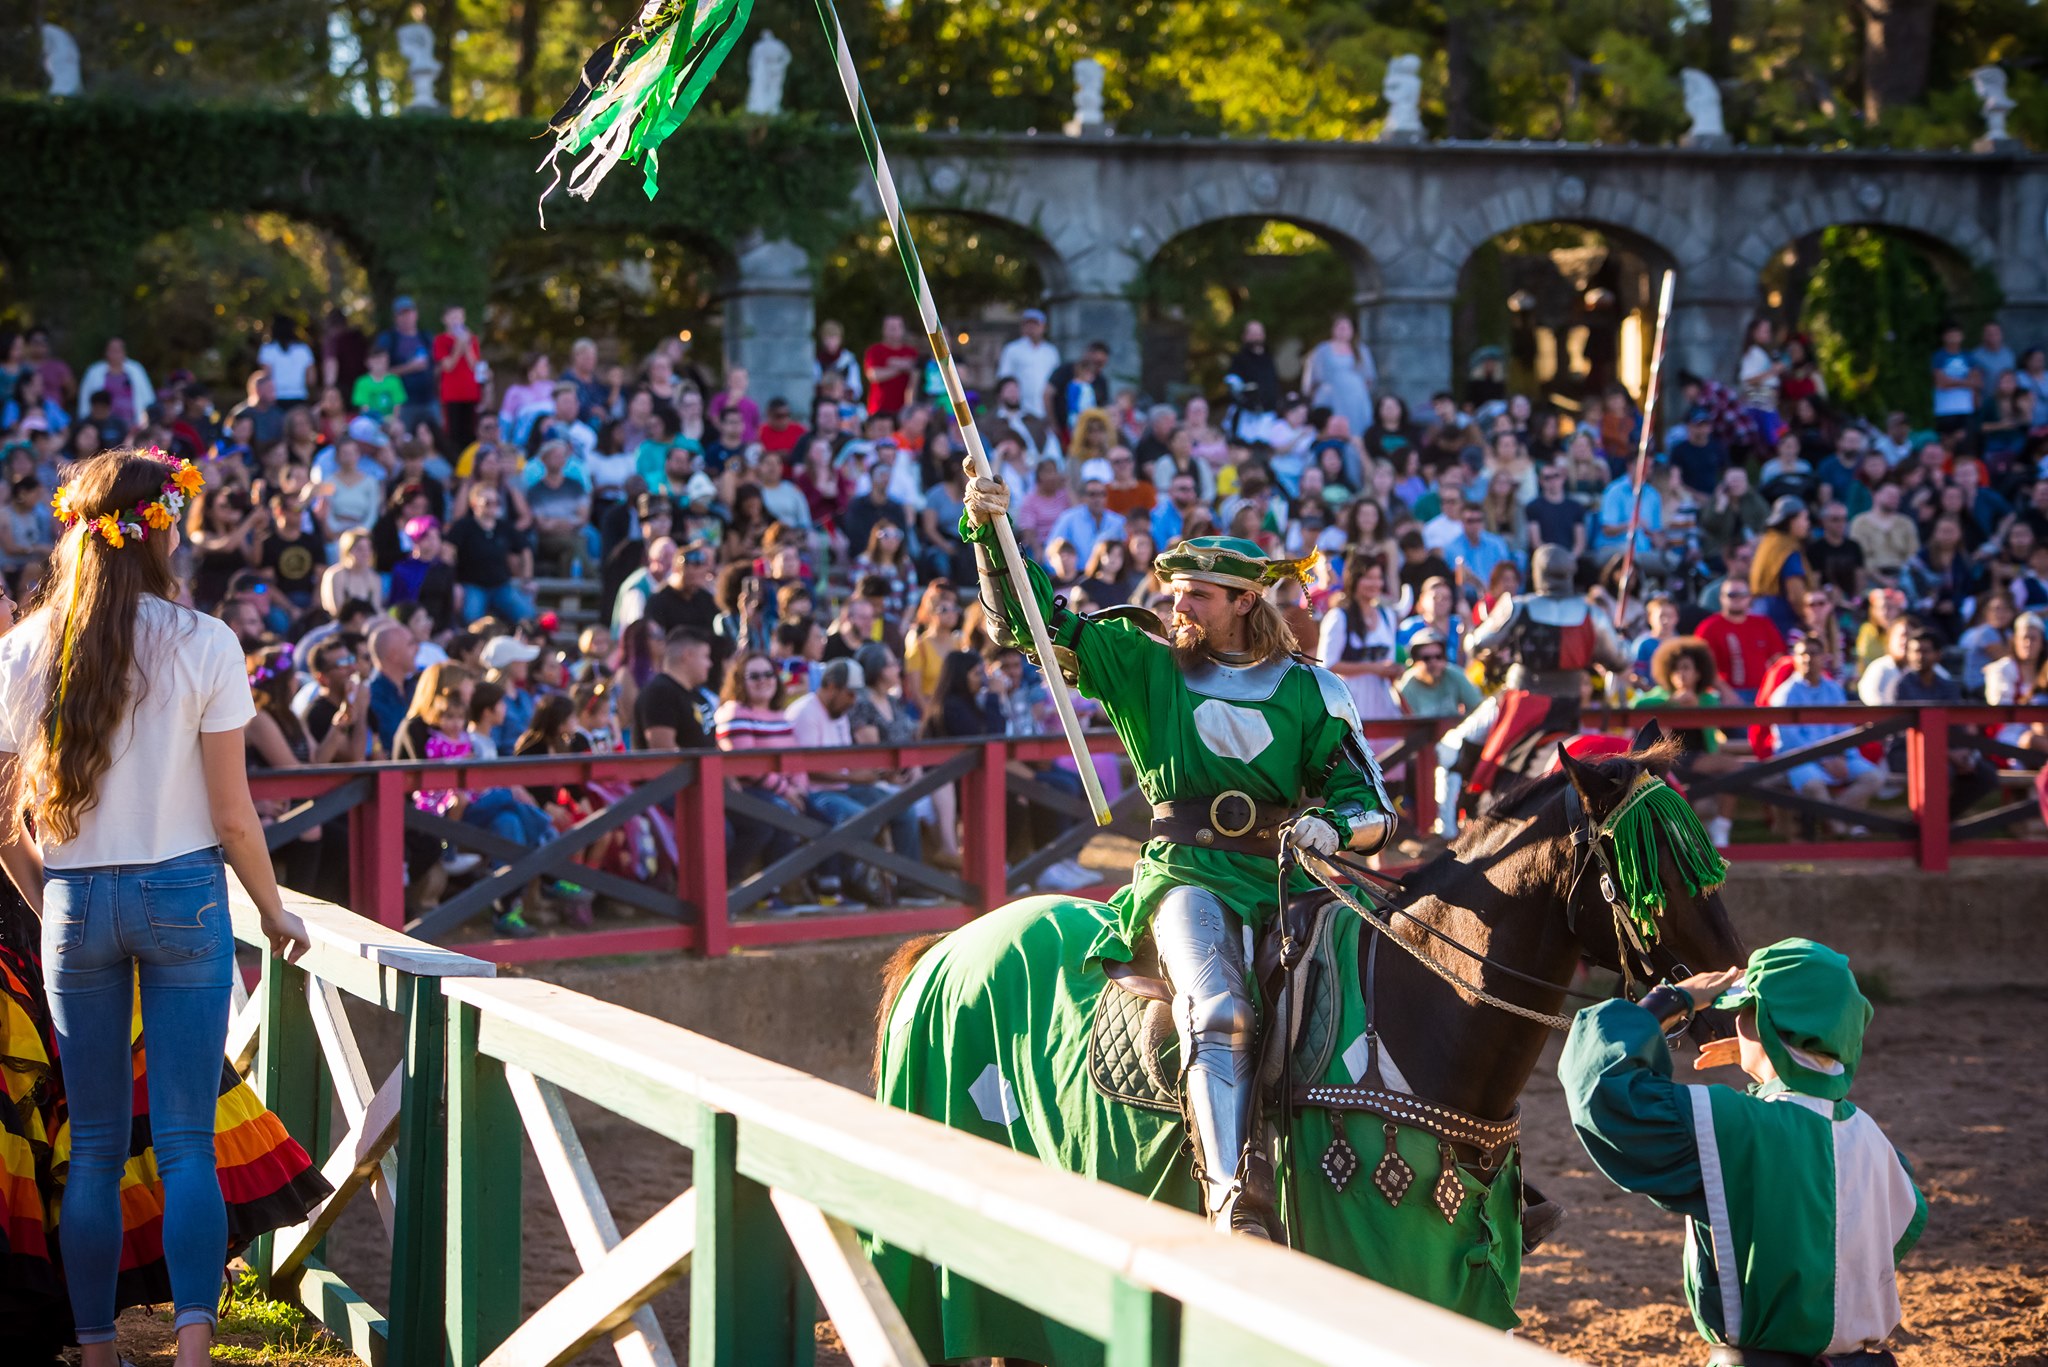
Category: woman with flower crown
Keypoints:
(118, 708)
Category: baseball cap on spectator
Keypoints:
(1033, 315)
(417, 527)
(1784, 510)
(1700, 414)
(1425, 637)
(700, 492)
(507, 650)
(1096, 468)
(365, 429)
(403, 304)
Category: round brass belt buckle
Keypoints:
(1251, 813)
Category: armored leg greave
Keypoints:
(1202, 952)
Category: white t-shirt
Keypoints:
(1031, 364)
(287, 366)
(152, 799)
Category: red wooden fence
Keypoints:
(376, 814)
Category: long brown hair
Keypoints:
(95, 591)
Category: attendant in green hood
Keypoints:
(1798, 1209)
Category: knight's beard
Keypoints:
(1190, 642)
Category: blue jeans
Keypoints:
(99, 924)
(748, 840)
(504, 601)
(837, 806)
(505, 816)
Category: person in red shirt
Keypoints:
(1744, 643)
(779, 431)
(457, 356)
(889, 365)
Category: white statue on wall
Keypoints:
(1403, 91)
(1989, 83)
(422, 67)
(767, 64)
(1088, 75)
(1703, 107)
(60, 61)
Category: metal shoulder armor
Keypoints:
(1354, 751)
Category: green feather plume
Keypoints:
(639, 87)
(1653, 806)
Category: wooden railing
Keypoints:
(711, 911)
(787, 1173)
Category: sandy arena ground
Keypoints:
(1949, 1078)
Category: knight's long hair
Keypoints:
(98, 590)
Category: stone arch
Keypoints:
(1570, 199)
(1180, 284)
(219, 274)
(1869, 203)
(1307, 196)
(969, 190)
(626, 287)
(1538, 341)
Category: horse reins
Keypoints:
(1583, 834)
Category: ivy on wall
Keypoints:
(425, 203)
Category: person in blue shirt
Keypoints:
(1846, 779)
(1838, 470)
(1699, 455)
(1958, 383)
(1653, 555)
(1088, 521)
(1474, 552)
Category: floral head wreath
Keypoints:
(158, 515)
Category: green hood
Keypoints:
(1810, 1015)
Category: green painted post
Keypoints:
(484, 1197)
(416, 1242)
(1144, 1327)
(288, 1071)
(744, 1282)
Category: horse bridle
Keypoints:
(1589, 850)
(1660, 965)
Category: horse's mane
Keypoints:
(1525, 798)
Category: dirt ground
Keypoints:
(1947, 1077)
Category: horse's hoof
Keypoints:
(1539, 1222)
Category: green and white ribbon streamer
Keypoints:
(638, 88)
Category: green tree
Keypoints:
(1874, 307)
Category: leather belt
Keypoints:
(1230, 821)
(1728, 1355)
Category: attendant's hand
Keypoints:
(987, 500)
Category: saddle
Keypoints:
(1134, 1050)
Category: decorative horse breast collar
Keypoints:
(1494, 1141)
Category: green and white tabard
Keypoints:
(1798, 1208)
(1272, 732)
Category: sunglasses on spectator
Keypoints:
(760, 676)
(1433, 657)
(693, 558)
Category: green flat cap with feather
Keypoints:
(1231, 561)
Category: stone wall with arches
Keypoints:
(425, 203)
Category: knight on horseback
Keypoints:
(1228, 730)
(1553, 636)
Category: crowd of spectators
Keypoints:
(388, 518)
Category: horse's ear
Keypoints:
(1648, 736)
(1599, 791)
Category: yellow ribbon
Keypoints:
(64, 654)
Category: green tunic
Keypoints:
(1797, 1208)
(1274, 732)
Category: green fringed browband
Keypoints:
(1651, 804)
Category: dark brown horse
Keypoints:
(1521, 890)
